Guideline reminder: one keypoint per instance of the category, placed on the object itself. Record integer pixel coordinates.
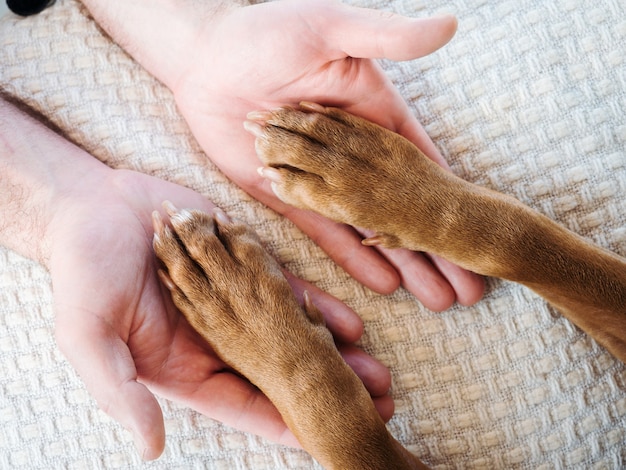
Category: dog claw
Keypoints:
(270, 174)
(308, 303)
(376, 240)
(220, 216)
(259, 115)
(157, 223)
(254, 128)
(314, 107)
(315, 316)
(166, 280)
(170, 208)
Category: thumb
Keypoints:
(104, 362)
(374, 34)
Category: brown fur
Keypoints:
(235, 295)
(355, 172)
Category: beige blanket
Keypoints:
(528, 99)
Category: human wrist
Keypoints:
(161, 35)
(38, 171)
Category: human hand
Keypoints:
(277, 53)
(118, 327)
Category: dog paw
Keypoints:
(233, 292)
(344, 167)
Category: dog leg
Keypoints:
(356, 172)
(235, 295)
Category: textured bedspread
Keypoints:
(528, 99)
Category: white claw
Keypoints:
(271, 174)
(254, 128)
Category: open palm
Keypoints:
(117, 325)
(278, 53)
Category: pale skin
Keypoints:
(122, 336)
(207, 53)
(115, 322)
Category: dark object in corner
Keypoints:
(28, 7)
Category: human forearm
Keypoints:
(38, 168)
(160, 34)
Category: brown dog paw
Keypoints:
(344, 167)
(233, 292)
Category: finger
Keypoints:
(235, 402)
(435, 282)
(343, 245)
(375, 34)
(340, 242)
(385, 407)
(374, 375)
(103, 361)
(347, 327)
(230, 399)
(341, 320)
(469, 286)
(423, 279)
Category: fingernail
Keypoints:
(443, 15)
(270, 174)
(140, 445)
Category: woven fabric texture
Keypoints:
(528, 99)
